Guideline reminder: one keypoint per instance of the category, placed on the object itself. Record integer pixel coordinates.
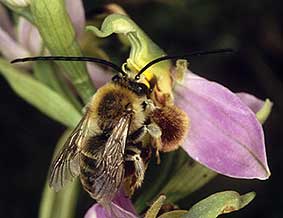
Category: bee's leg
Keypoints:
(148, 105)
(152, 128)
(137, 135)
(134, 155)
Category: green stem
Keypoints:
(58, 34)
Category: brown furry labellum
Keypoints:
(174, 124)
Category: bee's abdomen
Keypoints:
(89, 172)
(98, 176)
(91, 164)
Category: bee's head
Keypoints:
(137, 87)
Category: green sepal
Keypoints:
(63, 203)
(264, 112)
(219, 203)
(58, 34)
(143, 49)
(40, 96)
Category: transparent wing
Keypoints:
(110, 167)
(66, 164)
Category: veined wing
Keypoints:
(66, 164)
(109, 168)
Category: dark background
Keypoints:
(253, 27)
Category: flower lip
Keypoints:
(121, 206)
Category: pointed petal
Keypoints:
(121, 206)
(262, 109)
(98, 75)
(224, 134)
(29, 37)
(251, 101)
(76, 12)
(9, 48)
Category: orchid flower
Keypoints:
(25, 40)
(212, 108)
(224, 132)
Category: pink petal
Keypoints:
(9, 48)
(224, 133)
(251, 101)
(121, 206)
(5, 22)
(98, 75)
(76, 12)
(29, 37)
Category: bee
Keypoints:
(112, 143)
(115, 120)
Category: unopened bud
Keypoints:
(18, 3)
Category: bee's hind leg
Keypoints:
(134, 156)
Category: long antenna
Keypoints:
(71, 58)
(184, 56)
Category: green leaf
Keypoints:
(174, 214)
(155, 207)
(59, 204)
(40, 96)
(187, 176)
(45, 73)
(58, 34)
(219, 203)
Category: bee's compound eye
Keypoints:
(142, 88)
(115, 78)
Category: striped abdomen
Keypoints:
(101, 176)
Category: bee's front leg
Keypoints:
(152, 129)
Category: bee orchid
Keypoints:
(224, 133)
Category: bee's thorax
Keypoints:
(112, 101)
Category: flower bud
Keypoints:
(18, 3)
